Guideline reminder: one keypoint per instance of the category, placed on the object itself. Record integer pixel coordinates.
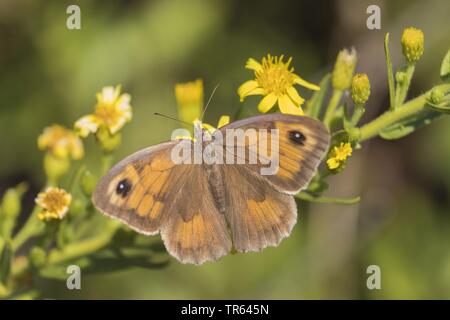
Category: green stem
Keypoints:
(107, 161)
(85, 247)
(71, 251)
(311, 198)
(402, 89)
(31, 227)
(333, 104)
(389, 72)
(76, 178)
(357, 115)
(374, 127)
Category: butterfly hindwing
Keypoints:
(258, 215)
(196, 231)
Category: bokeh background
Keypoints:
(50, 74)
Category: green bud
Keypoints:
(55, 167)
(11, 203)
(360, 88)
(344, 67)
(436, 96)
(400, 77)
(10, 208)
(38, 257)
(107, 141)
(412, 44)
(77, 207)
(88, 183)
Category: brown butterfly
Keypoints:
(204, 210)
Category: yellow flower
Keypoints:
(275, 80)
(54, 203)
(223, 121)
(339, 155)
(112, 111)
(189, 97)
(61, 142)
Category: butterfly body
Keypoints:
(203, 210)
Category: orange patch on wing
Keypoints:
(136, 195)
(145, 205)
(163, 162)
(263, 212)
(156, 209)
(192, 233)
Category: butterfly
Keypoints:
(203, 211)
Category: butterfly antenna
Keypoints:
(209, 100)
(171, 118)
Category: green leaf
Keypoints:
(409, 125)
(443, 107)
(445, 67)
(6, 256)
(314, 105)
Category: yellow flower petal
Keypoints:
(247, 87)
(288, 106)
(115, 126)
(184, 138)
(333, 163)
(223, 121)
(305, 83)
(267, 103)
(293, 94)
(87, 124)
(77, 150)
(61, 149)
(252, 64)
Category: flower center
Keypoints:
(55, 201)
(108, 113)
(275, 76)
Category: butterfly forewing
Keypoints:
(151, 194)
(302, 143)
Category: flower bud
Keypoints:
(343, 69)
(189, 97)
(436, 96)
(400, 77)
(11, 203)
(55, 167)
(88, 183)
(77, 207)
(37, 257)
(360, 88)
(412, 44)
(108, 142)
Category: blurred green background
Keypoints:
(50, 74)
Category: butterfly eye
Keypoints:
(123, 187)
(297, 137)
